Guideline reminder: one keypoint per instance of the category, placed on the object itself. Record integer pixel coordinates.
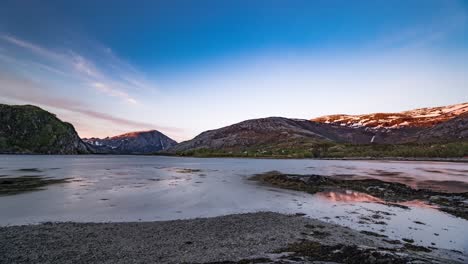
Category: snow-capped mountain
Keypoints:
(422, 117)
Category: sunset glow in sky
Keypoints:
(182, 67)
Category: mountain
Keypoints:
(436, 124)
(141, 142)
(451, 130)
(425, 132)
(30, 129)
(422, 117)
(420, 132)
(270, 134)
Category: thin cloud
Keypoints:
(106, 89)
(449, 23)
(31, 64)
(27, 91)
(32, 47)
(84, 66)
(78, 67)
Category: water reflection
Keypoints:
(419, 203)
(348, 196)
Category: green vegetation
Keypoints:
(29, 129)
(433, 150)
(335, 150)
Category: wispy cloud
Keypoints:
(31, 47)
(451, 21)
(79, 67)
(30, 92)
(75, 82)
(84, 66)
(108, 90)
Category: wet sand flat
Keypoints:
(245, 238)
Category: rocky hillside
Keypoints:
(30, 129)
(424, 125)
(142, 142)
(455, 129)
(272, 133)
(336, 134)
(434, 132)
(422, 117)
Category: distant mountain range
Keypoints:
(422, 117)
(436, 124)
(141, 142)
(425, 132)
(29, 129)
(272, 132)
(339, 135)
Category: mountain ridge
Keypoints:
(136, 142)
(419, 117)
(278, 135)
(439, 131)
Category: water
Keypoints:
(146, 188)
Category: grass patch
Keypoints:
(337, 150)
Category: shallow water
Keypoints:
(146, 188)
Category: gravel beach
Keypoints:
(261, 237)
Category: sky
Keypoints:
(183, 67)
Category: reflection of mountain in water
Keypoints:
(348, 196)
(418, 203)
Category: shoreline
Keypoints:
(264, 237)
(451, 160)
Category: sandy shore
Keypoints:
(263, 237)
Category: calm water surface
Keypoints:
(146, 188)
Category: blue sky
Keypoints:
(183, 67)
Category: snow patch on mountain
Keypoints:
(422, 117)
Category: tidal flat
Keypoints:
(263, 237)
(371, 190)
(412, 208)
